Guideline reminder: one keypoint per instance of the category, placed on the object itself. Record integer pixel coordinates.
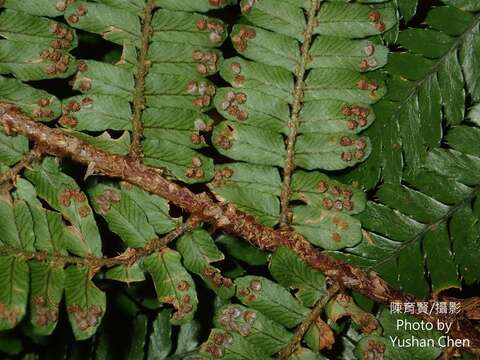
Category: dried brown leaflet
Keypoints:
(226, 217)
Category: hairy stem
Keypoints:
(225, 217)
(128, 257)
(11, 173)
(142, 70)
(305, 325)
(294, 122)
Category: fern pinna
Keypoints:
(121, 98)
(429, 189)
(274, 144)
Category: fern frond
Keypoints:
(425, 87)
(429, 161)
(317, 98)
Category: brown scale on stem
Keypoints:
(9, 177)
(225, 217)
(139, 95)
(294, 123)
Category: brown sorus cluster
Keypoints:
(368, 63)
(370, 85)
(10, 315)
(64, 36)
(69, 194)
(358, 116)
(224, 140)
(82, 66)
(80, 11)
(238, 79)
(374, 17)
(84, 83)
(248, 293)
(62, 4)
(226, 172)
(216, 277)
(240, 40)
(84, 211)
(184, 307)
(359, 151)
(195, 171)
(336, 237)
(199, 126)
(375, 350)
(229, 104)
(206, 61)
(215, 347)
(196, 138)
(248, 6)
(339, 199)
(238, 320)
(59, 61)
(67, 119)
(85, 319)
(339, 222)
(205, 90)
(44, 314)
(369, 50)
(216, 29)
(43, 111)
(104, 201)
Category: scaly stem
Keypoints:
(294, 123)
(225, 217)
(128, 257)
(142, 70)
(12, 173)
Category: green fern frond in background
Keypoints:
(427, 159)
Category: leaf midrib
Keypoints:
(433, 225)
(440, 61)
(297, 105)
(429, 227)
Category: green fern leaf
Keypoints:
(254, 327)
(271, 299)
(63, 194)
(230, 346)
(199, 251)
(126, 273)
(173, 284)
(39, 104)
(13, 299)
(86, 303)
(334, 106)
(290, 271)
(126, 215)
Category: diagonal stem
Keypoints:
(11, 173)
(128, 257)
(305, 325)
(225, 217)
(294, 122)
(142, 70)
